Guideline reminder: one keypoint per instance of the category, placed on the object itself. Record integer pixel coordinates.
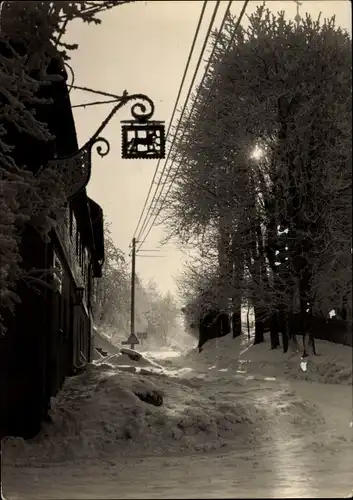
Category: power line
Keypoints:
(175, 106)
(156, 197)
(210, 89)
(157, 250)
(146, 221)
(153, 256)
(213, 81)
(205, 74)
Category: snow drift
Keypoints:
(99, 416)
(332, 365)
(223, 397)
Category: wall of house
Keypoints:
(23, 349)
(49, 337)
(75, 257)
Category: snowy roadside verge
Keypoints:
(332, 365)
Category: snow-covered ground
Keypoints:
(332, 364)
(237, 421)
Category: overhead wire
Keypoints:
(152, 256)
(206, 101)
(202, 13)
(146, 220)
(195, 100)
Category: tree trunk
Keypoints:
(306, 313)
(236, 320)
(259, 325)
(248, 321)
(312, 343)
(274, 331)
(308, 337)
(290, 326)
(293, 330)
(283, 328)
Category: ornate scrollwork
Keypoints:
(139, 110)
(100, 151)
(73, 171)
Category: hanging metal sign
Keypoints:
(142, 140)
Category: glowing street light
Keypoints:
(257, 153)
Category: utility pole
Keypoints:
(132, 340)
(133, 277)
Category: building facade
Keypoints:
(49, 337)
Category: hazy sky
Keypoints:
(143, 47)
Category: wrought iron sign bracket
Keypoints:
(142, 138)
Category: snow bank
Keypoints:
(223, 351)
(277, 382)
(220, 397)
(98, 416)
(332, 365)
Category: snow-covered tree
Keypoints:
(157, 311)
(111, 300)
(31, 37)
(286, 92)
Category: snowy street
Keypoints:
(230, 426)
(176, 307)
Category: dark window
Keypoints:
(70, 221)
(84, 265)
(78, 245)
(66, 218)
(74, 227)
(59, 310)
(88, 288)
(66, 311)
(82, 345)
(82, 257)
(58, 275)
